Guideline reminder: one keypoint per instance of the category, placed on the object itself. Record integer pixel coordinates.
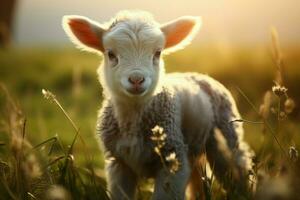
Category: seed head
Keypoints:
(293, 153)
(279, 90)
(48, 95)
(173, 162)
(289, 105)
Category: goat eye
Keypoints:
(112, 57)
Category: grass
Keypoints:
(42, 156)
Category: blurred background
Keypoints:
(234, 46)
(225, 22)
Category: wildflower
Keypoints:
(173, 162)
(279, 90)
(293, 153)
(289, 105)
(159, 137)
(157, 129)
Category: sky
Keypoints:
(38, 22)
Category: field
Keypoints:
(37, 154)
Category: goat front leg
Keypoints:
(122, 181)
(172, 185)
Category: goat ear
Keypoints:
(83, 32)
(180, 32)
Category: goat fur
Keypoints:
(190, 107)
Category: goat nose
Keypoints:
(136, 79)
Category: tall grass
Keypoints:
(276, 172)
(48, 168)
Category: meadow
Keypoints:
(42, 152)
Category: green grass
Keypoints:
(25, 72)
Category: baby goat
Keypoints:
(189, 108)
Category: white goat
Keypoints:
(138, 95)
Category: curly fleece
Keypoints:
(129, 142)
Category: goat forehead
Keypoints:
(134, 35)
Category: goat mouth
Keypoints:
(137, 91)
